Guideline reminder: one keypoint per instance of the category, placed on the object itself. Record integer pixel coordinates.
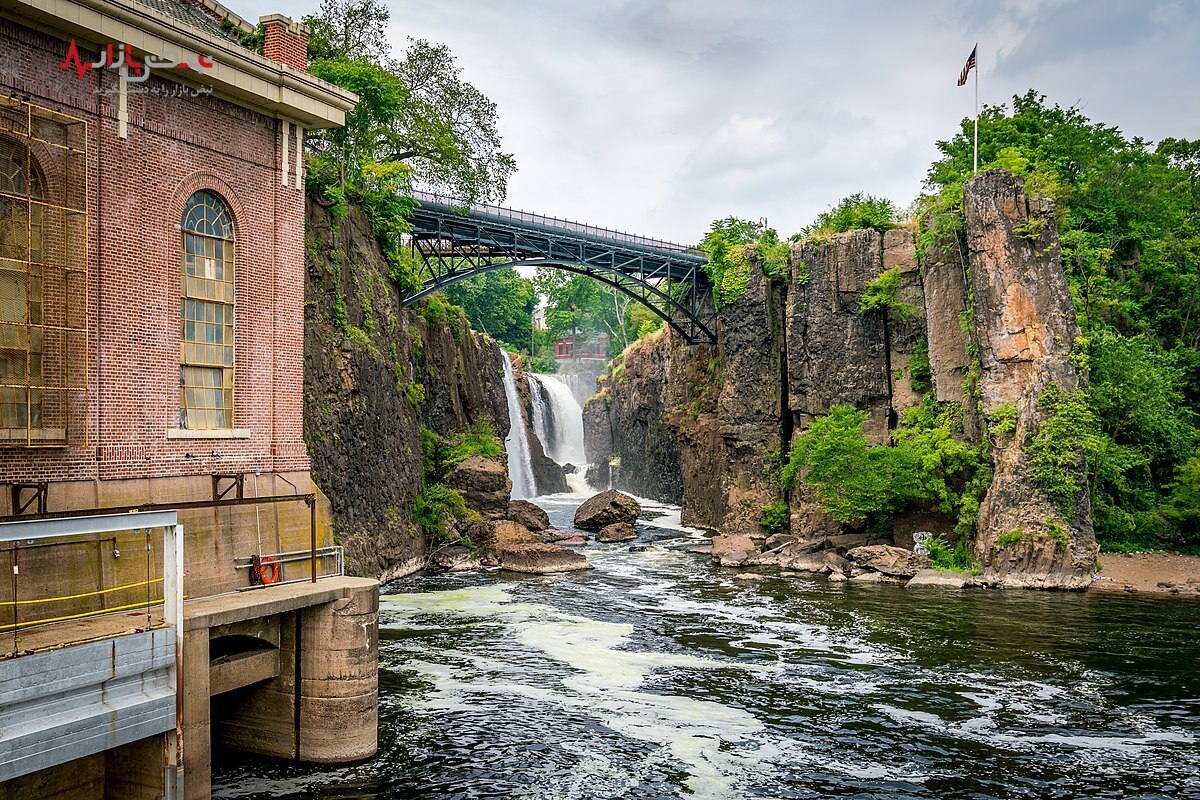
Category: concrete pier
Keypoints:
(247, 672)
(287, 671)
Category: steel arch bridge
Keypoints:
(456, 242)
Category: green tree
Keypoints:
(583, 307)
(500, 303)
(1129, 226)
(416, 111)
(344, 30)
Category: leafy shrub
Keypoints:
(1058, 452)
(1003, 420)
(731, 245)
(880, 291)
(859, 210)
(774, 516)
(414, 393)
(1010, 538)
(919, 371)
(856, 482)
(946, 558)
(434, 504)
(851, 478)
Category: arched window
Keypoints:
(206, 348)
(21, 245)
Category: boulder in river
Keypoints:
(938, 579)
(528, 514)
(514, 547)
(484, 484)
(454, 558)
(732, 551)
(554, 535)
(894, 562)
(541, 559)
(617, 532)
(812, 562)
(606, 508)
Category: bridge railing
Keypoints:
(554, 222)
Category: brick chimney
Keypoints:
(286, 42)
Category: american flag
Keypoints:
(970, 65)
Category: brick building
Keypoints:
(151, 295)
(151, 252)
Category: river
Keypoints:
(659, 675)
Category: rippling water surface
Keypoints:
(657, 675)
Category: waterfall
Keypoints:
(520, 465)
(558, 423)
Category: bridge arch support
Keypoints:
(455, 243)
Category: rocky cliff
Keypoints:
(375, 374)
(981, 320)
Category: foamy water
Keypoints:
(658, 675)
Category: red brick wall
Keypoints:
(285, 46)
(137, 187)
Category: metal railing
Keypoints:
(553, 222)
(321, 555)
(25, 536)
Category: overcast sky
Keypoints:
(658, 116)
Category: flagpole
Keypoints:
(976, 167)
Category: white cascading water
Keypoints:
(520, 465)
(558, 423)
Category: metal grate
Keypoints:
(43, 277)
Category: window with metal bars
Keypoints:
(43, 277)
(206, 344)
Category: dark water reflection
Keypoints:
(656, 675)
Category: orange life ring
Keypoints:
(266, 569)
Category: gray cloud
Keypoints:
(658, 116)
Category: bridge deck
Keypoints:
(457, 241)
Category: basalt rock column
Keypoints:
(905, 319)
(1025, 326)
(749, 408)
(835, 354)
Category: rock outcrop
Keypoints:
(627, 442)
(836, 354)
(732, 551)
(606, 508)
(1024, 328)
(894, 562)
(532, 516)
(617, 532)
(484, 484)
(982, 320)
(374, 374)
(510, 545)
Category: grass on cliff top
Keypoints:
(480, 440)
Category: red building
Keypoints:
(569, 347)
(151, 353)
(151, 247)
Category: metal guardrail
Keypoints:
(29, 533)
(554, 222)
(26, 535)
(336, 552)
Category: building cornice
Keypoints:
(238, 75)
